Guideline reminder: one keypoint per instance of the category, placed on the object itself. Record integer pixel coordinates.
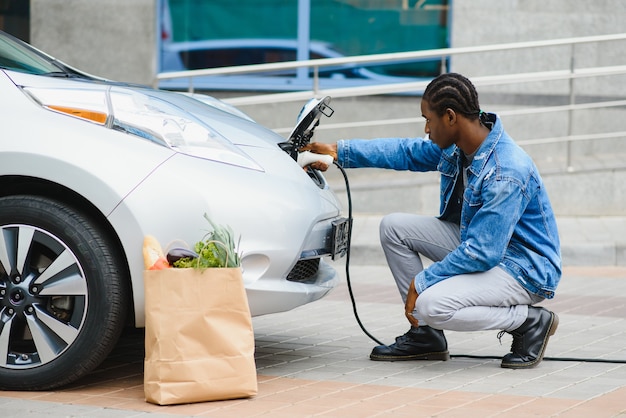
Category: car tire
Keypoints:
(63, 293)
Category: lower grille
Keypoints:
(304, 270)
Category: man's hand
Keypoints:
(320, 148)
(409, 306)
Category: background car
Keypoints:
(195, 55)
(89, 167)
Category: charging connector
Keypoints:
(307, 157)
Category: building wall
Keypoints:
(482, 22)
(485, 22)
(114, 39)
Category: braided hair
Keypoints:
(453, 91)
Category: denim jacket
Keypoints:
(506, 216)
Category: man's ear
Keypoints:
(451, 114)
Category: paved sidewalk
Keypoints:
(313, 362)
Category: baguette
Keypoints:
(152, 252)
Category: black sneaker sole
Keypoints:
(441, 355)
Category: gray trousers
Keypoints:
(490, 300)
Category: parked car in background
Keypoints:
(195, 55)
(89, 167)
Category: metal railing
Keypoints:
(444, 54)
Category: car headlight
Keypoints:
(144, 116)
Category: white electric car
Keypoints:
(89, 167)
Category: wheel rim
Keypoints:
(43, 297)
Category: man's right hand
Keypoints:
(321, 148)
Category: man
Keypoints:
(495, 245)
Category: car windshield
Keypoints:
(15, 56)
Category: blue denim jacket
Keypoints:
(506, 216)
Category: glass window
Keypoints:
(18, 57)
(198, 34)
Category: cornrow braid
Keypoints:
(454, 91)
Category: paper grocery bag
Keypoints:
(199, 339)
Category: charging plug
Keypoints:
(307, 157)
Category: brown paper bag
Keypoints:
(199, 338)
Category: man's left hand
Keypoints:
(409, 306)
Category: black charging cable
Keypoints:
(356, 314)
(358, 320)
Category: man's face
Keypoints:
(437, 127)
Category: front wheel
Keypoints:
(63, 294)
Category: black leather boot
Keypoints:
(530, 340)
(422, 343)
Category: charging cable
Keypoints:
(356, 314)
(358, 320)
